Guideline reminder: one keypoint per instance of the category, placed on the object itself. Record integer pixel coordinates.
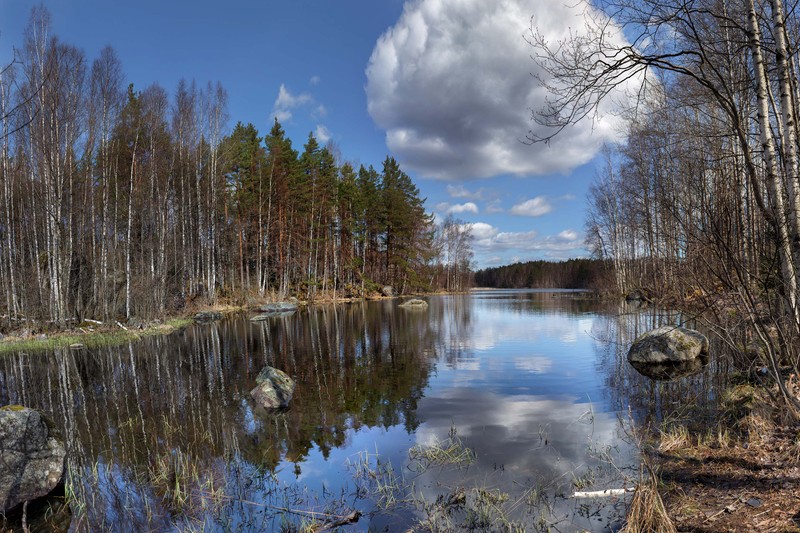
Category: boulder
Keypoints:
(207, 316)
(278, 307)
(668, 344)
(415, 303)
(273, 388)
(32, 454)
(670, 371)
(387, 291)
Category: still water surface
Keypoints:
(162, 434)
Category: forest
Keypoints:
(701, 204)
(569, 274)
(119, 202)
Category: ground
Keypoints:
(734, 485)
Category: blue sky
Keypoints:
(445, 86)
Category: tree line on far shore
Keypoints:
(569, 274)
(118, 202)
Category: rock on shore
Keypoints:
(31, 454)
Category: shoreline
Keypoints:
(93, 334)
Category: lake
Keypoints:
(481, 412)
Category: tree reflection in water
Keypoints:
(162, 433)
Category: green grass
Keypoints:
(92, 339)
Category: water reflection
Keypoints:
(534, 383)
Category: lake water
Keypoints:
(529, 390)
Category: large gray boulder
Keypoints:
(668, 344)
(31, 454)
(274, 388)
(387, 291)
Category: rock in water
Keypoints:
(31, 454)
(207, 316)
(387, 291)
(668, 344)
(278, 307)
(273, 388)
(415, 303)
(670, 371)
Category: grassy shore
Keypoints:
(89, 336)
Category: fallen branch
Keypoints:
(352, 518)
(120, 325)
(603, 493)
(89, 320)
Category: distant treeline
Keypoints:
(570, 274)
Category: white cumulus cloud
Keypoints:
(451, 84)
(467, 207)
(535, 207)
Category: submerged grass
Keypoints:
(450, 451)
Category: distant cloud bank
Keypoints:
(451, 84)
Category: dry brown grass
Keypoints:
(674, 437)
(646, 512)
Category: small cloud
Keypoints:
(568, 235)
(568, 197)
(535, 207)
(282, 115)
(494, 207)
(459, 191)
(286, 102)
(482, 231)
(319, 111)
(314, 80)
(322, 134)
(468, 207)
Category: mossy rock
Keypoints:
(668, 344)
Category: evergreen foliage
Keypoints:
(119, 203)
(570, 274)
